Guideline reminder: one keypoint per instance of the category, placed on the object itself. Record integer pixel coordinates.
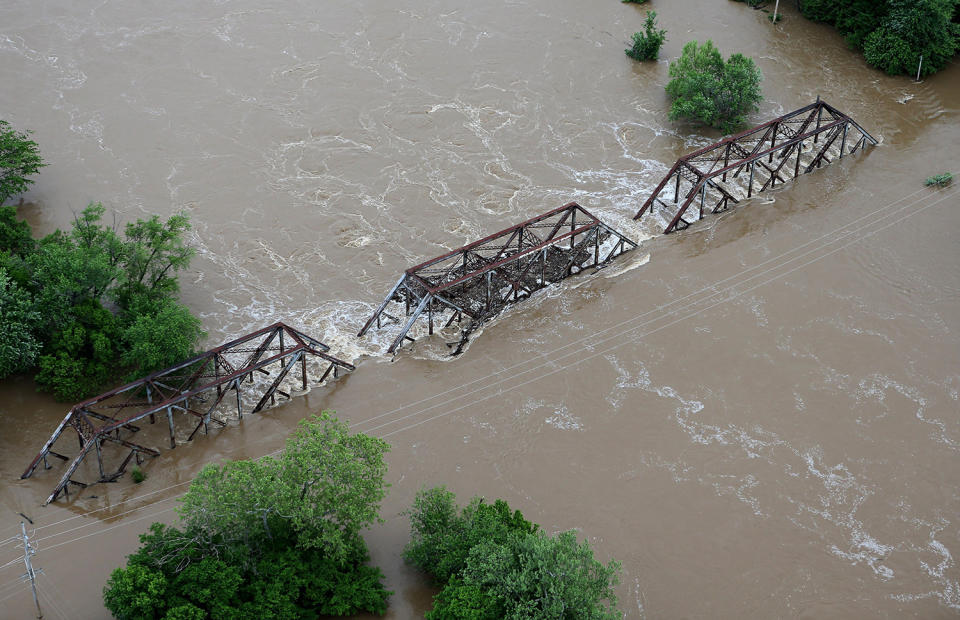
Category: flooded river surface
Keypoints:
(758, 417)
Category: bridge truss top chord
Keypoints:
(480, 279)
(758, 158)
(196, 387)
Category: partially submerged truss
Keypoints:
(197, 387)
(479, 280)
(753, 161)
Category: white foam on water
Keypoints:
(564, 420)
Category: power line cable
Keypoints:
(494, 374)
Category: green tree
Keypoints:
(707, 89)
(441, 539)
(19, 347)
(136, 593)
(107, 301)
(154, 252)
(15, 237)
(913, 29)
(893, 34)
(492, 563)
(82, 354)
(19, 159)
(274, 538)
(327, 485)
(160, 333)
(646, 45)
(532, 576)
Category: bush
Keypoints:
(646, 45)
(19, 159)
(137, 475)
(939, 180)
(707, 89)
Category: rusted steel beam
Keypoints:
(480, 279)
(233, 362)
(716, 168)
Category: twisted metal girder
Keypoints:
(479, 280)
(762, 154)
(200, 382)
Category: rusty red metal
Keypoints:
(808, 134)
(479, 279)
(201, 382)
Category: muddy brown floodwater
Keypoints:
(758, 416)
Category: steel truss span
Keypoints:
(479, 280)
(197, 387)
(737, 167)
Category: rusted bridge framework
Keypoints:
(779, 150)
(480, 279)
(196, 387)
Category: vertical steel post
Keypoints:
(173, 439)
(726, 160)
(819, 114)
(303, 371)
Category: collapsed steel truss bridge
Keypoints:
(480, 279)
(196, 387)
(772, 153)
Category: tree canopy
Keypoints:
(19, 159)
(326, 485)
(272, 538)
(704, 88)
(492, 563)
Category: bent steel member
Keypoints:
(480, 279)
(196, 387)
(758, 158)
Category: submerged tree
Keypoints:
(707, 89)
(646, 44)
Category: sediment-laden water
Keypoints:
(758, 416)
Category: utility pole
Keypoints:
(775, 7)
(920, 64)
(30, 574)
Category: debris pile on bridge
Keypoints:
(196, 387)
(479, 280)
(755, 160)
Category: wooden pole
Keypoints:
(27, 552)
(920, 64)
